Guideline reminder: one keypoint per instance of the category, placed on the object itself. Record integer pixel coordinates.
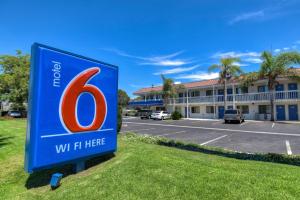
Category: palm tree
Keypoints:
(228, 68)
(170, 90)
(272, 67)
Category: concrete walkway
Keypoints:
(283, 122)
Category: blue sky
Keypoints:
(146, 38)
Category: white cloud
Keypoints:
(234, 54)
(286, 48)
(240, 64)
(162, 60)
(247, 16)
(176, 70)
(177, 82)
(199, 76)
(277, 50)
(248, 57)
(253, 60)
(276, 10)
(166, 63)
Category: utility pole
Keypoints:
(187, 103)
(233, 96)
(214, 101)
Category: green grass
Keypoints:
(146, 171)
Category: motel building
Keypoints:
(205, 99)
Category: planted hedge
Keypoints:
(268, 157)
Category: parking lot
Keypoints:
(250, 136)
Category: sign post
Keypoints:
(72, 112)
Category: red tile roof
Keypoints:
(187, 85)
(192, 84)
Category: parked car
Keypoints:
(130, 113)
(233, 115)
(145, 114)
(161, 115)
(14, 114)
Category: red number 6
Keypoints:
(69, 99)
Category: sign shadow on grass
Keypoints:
(5, 140)
(42, 178)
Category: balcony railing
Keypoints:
(238, 98)
(249, 97)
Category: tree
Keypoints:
(123, 98)
(14, 78)
(170, 90)
(227, 69)
(272, 67)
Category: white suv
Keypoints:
(160, 115)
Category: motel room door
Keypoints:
(293, 112)
(280, 112)
(221, 112)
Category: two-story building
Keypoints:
(205, 99)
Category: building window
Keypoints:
(261, 88)
(244, 109)
(264, 109)
(210, 109)
(209, 92)
(195, 93)
(195, 109)
(229, 91)
(292, 86)
(220, 92)
(244, 90)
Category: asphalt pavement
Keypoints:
(250, 136)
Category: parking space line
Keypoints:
(172, 133)
(218, 122)
(138, 130)
(273, 125)
(125, 124)
(288, 147)
(209, 141)
(219, 129)
(244, 123)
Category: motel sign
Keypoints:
(72, 108)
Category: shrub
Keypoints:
(266, 157)
(119, 118)
(176, 115)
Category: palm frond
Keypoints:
(235, 70)
(214, 67)
(230, 61)
(286, 59)
(249, 79)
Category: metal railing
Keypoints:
(248, 97)
(238, 98)
(145, 100)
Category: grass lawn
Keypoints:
(146, 171)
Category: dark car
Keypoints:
(233, 115)
(15, 114)
(145, 114)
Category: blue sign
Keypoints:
(146, 103)
(72, 108)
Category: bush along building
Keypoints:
(205, 99)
